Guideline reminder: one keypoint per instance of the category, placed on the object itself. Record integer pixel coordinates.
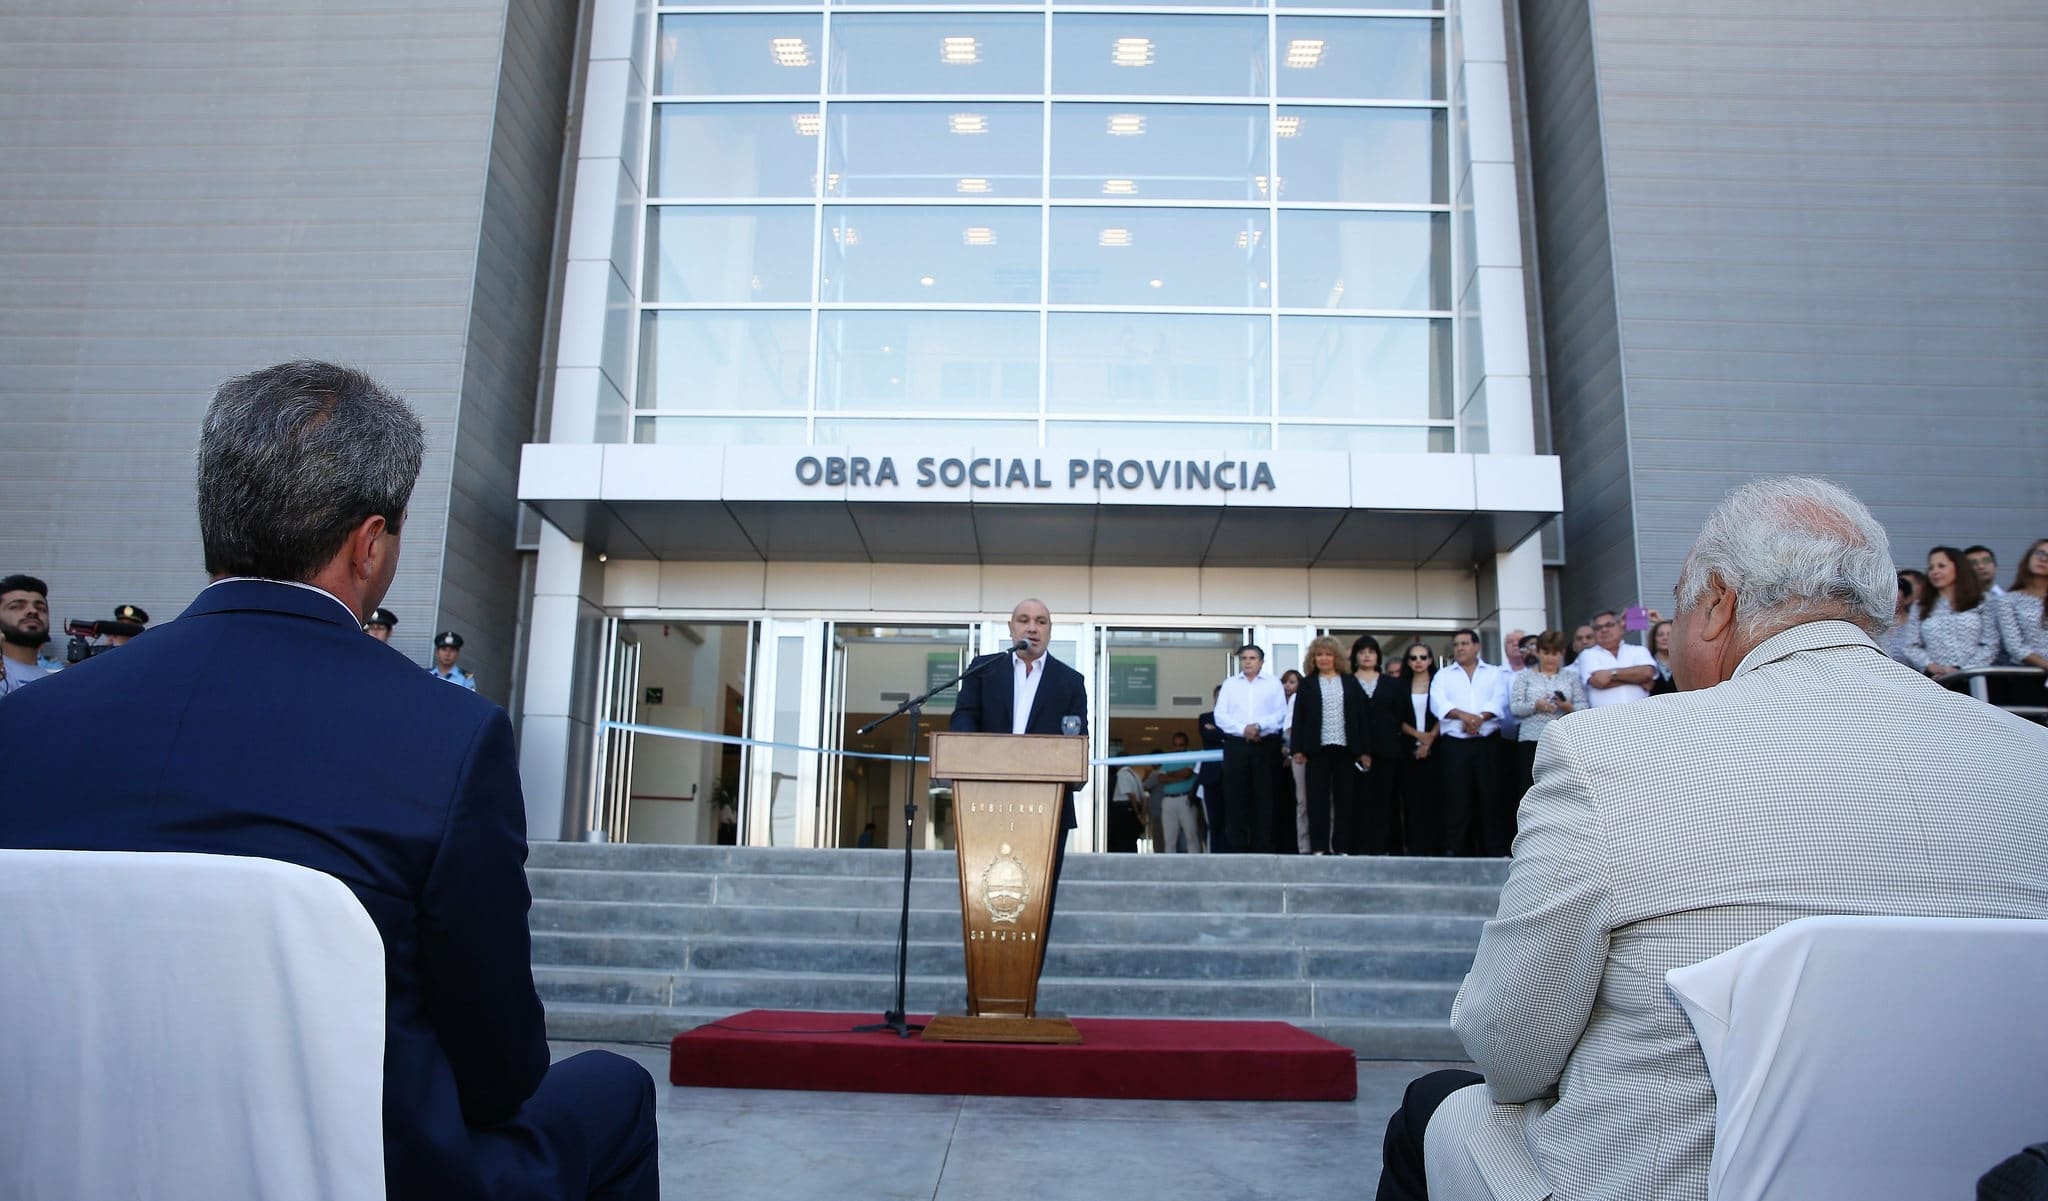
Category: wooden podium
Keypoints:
(1008, 793)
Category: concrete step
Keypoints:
(1067, 959)
(577, 1022)
(636, 943)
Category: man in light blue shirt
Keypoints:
(448, 648)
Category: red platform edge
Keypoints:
(1117, 1058)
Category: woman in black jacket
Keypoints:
(1375, 828)
(1420, 786)
(1329, 725)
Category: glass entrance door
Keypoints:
(1153, 684)
(686, 676)
(875, 669)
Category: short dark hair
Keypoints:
(24, 583)
(1981, 550)
(1529, 638)
(1472, 634)
(1250, 646)
(1552, 641)
(294, 457)
(1603, 613)
(1366, 642)
(1181, 737)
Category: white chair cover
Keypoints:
(187, 1026)
(1872, 1057)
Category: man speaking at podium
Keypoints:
(1035, 696)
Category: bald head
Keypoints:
(1031, 622)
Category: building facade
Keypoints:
(770, 352)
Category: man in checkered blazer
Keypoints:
(1802, 772)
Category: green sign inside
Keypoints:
(1134, 681)
(940, 666)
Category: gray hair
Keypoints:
(1794, 549)
(292, 458)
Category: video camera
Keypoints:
(81, 646)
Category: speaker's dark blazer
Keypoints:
(985, 704)
(265, 722)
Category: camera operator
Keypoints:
(24, 628)
(129, 620)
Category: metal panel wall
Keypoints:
(189, 193)
(1829, 225)
(480, 585)
(1589, 427)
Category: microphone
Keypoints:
(1022, 644)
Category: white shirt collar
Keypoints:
(257, 579)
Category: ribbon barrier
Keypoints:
(1187, 756)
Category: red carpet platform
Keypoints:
(1161, 1060)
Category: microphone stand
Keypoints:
(895, 1019)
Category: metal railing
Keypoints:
(2027, 682)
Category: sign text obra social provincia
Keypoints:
(1179, 475)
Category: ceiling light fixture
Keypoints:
(1158, 283)
(959, 50)
(846, 235)
(807, 124)
(971, 186)
(790, 52)
(1119, 187)
(978, 235)
(1287, 127)
(1132, 52)
(1113, 237)
(1125, 125)
(1304, 53)
(968, 123)
(926, 280)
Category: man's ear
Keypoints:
(1717, 619)
(366, 546)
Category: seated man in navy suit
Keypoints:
(345, 757)
(1035, 696)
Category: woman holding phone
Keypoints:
(1543, 694)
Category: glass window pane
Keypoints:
(1409, 439)
(1127, 256)
(1335, 260)
(1346, 58)
(923, 431)
(918, 255)
(1138, 55)
(739, 55)
(704, 360)
(729, 255)
(922, 150)
(1415, 5)
(952, 54)
(928, 362)
(716, 431)
(736, 150)
(1364, 155)
(1196, 365)
(1159, 151)
(1161, 435)
(1365, 367)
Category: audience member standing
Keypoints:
(1541, 695)
(1582, 640)
(1594, 1083)
(1660, 658)
(2022, 624)
(352, 762)
(1468, 698)
(1906, 614)
(1292, 784)
(1329, 745)
(1615, 672)
(1421, 777)
(1376, 830)
(24, 628)
(1127, 810)
(1209, 779)
(1179, 820)
(1955, 629)
(1250, 711)
(1984, 565)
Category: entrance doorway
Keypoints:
(1152, 684)
(874, 669)
(691, 675)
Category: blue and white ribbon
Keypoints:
(1189, 756)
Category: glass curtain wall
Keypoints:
(1215, 226)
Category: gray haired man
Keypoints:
(1755, 815)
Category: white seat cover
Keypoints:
(187, 1026)
(1872, 1057)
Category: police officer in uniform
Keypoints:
(129, 620)
(380, 623)
(448, 648)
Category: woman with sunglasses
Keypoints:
(1420, 785)
(1377, 829)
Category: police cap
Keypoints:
(448, 638)
(381, 617)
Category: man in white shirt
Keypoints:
(1468, 698)
(1250, 712)
(1615, 672)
